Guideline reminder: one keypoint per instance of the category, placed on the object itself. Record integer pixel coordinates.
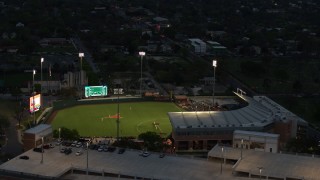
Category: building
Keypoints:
(260, 141)
(74, 79)
(197, 46)
(53, 41)
(33, 136)
(201, 130)
(215, 48)
(70, 80)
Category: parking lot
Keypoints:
(129, 163)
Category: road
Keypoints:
(13, 146)
(87, 56)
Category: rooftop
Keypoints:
(260, 112)
(275, 165)
(38, 129)
(129, 164)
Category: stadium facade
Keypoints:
(202, 130)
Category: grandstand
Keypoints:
(201, 130)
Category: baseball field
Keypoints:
(101, 119)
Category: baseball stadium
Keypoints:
(98, 118)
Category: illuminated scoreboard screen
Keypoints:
(34, 103)
(94, 91)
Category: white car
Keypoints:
(74, 143)
(79, 144)
(100, 149)
(78, 153)
(146, 154)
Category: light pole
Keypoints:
(81, 55)
(59, 139)
(141, 54)
(241, 147)
(260, 171)
(118, 115)
(33, 105)
(87, 158)
(214, 64)
(221, 160)
(42, 151)
(42, 60)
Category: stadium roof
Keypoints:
(260, 112)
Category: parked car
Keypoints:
(105, 149)
(100, 149)
(79, 144)
(161, 155)
(146, 154)
(24, 157)
(38, 150)
(46, 146)
(78, 153)
(92, 146)
(68, 151)
(74, 143)
(62, 150)
(111, 149)
(121, 151)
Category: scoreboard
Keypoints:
(95, 91)
(34, 103)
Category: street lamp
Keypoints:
(260, 171)
(42, 151)
(87, 158)
(118, 115)
(214, 64)
(141, 54)
(221, 160)
(59, 139)
(81, 55)
(241, 147)
(42, 60)
(33, 105)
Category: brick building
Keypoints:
(33, 136)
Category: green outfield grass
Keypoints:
(100, 119)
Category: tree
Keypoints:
(152, 140)
(65, 133)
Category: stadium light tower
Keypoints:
(81, 55)
(42, 60)
(214, 64)
(33, 105)
(141, 54)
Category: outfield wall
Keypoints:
(58, 105)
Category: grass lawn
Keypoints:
(100, 119)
